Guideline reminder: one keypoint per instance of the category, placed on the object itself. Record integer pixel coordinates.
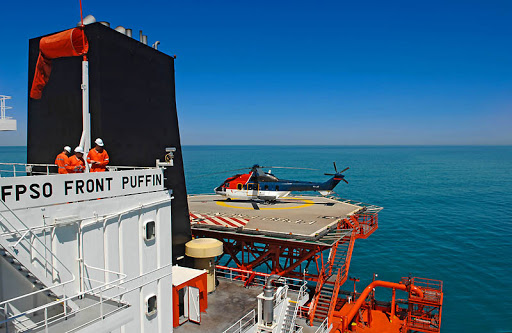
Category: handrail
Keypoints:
(92, 222)
(47, 250)
(260, 278)
(281, 296)
(314, 302)
(90, 291)
(334, 298)
(241, 326)
(105, 299)
(302, 293)
(324, 327)
(33, 234)
(27, 168)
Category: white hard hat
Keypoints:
(68, 149)
(79, 150)
(99, 142)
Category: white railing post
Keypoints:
(46, 320)
(101, 303)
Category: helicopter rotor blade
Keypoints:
(342, 171)
(220, 172)
(279, 167)
(335, 169)
(344, 180)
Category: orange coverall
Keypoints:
(62, 162)
(77, 165)
(101, 158)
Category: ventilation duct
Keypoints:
(120, 29)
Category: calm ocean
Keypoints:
(447, 215)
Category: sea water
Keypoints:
(447, 215)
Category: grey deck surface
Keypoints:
(230, 302)
(84, 316)
(226, 305)
(300, 215)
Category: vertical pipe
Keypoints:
(392, 306)
(85, 140)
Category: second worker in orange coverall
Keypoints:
(98, 157)
(62, 160)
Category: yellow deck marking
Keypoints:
(307, 203)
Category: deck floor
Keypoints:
(302, 215)
(226, 305)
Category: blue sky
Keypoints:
(306, 72)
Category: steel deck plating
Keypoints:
(302, 217)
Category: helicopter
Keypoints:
(261, 185)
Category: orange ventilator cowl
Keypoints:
(69, 43)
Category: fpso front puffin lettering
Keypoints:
(142, 181)
(80, 186)
(19, 191)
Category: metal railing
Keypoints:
(101, 292)
(34, 256)
(25, 169)
(324, 327)
(255, 278)
(302, 293)
(243, 324)
(46, 261)
(31, 169)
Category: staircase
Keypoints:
(289, 320)
(339, 254)
(25, 272)
(323, 303)
(34, 261)
(338, 262)
(292, 307)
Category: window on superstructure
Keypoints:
(149, 230)
(151, 305)
(239, 186)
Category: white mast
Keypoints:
(85, 140)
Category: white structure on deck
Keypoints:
(86, 252)
(6, 123)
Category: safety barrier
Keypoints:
(243, 324)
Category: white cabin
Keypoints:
(86, 252)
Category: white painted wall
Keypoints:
(115, 243)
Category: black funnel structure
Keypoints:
(132, 107)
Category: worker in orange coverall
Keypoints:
(98, 157)
(76, 162)
(62, 160)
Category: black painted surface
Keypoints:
(132, 105)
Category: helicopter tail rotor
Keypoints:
(339, 174)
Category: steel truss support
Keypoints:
(290, 258)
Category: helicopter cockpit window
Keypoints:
(239, 186)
